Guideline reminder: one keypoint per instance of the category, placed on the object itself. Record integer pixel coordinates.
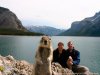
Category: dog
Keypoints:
(43, 57)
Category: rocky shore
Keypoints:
(11, 66)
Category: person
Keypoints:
(59, 55)
(73, 57)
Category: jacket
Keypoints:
(60, 58)
(75, 54)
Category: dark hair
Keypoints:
(60, 43)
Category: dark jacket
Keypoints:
(60, 58)
(75, 56)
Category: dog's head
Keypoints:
(45, 42)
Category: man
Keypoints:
(73, 57)
(59, 55)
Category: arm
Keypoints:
(77, 59)
(37, 57)
(50, 58)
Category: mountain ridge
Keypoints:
(11, 25)
(47, 30)
(87, 27)
(8, 20)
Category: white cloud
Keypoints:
(60, 12)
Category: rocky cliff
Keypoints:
(8, 20)
(87, 27)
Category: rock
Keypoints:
(24, 67)
(9, 57)
(83, 69)
(58, 70)
(10, 66)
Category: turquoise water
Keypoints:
(24, 47)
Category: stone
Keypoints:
(10, 66)
(83, 69)
(57, 69)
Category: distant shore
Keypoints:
(18, 32)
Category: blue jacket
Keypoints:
(75, 54)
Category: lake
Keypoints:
(24, 47)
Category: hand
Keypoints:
(70, 61)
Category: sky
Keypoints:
(59, 13)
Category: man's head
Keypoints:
(70, 45)
(60, 46)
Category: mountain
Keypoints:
(11, 25)
(87, 27)
(8, 20)
(47, 30)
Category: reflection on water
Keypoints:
(24, 47)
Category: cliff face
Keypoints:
(87, 27)
(8, 20)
